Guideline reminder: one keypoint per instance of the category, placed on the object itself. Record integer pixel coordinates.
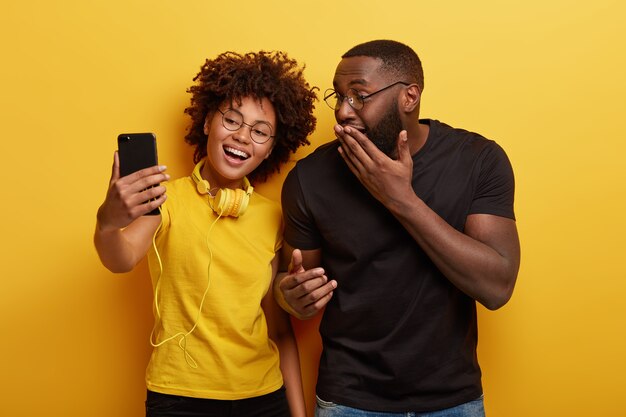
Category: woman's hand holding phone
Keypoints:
(131, 196)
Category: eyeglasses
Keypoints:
(260, 132)
(334, 100)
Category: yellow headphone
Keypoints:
(226, 201)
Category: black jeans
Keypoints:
(165, 405)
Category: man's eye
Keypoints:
(230, 121)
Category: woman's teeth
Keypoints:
(236, 152)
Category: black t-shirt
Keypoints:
(397, 335)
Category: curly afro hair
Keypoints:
(272, 75)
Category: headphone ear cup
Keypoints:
(227, 202)
(230, 202)
(219, 202)
(203, 186)
(234, 207)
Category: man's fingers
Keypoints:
(360, 145)
(320, 293)
(296, 261)
(404, 153)
(307, 292)
(304, 299)
(323, 297)
(349, 162)
(349, 149)
(308, 280)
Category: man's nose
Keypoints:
(344, 111)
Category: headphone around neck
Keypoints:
(226, 201)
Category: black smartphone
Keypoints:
(137, 151)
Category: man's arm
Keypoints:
(304, 289)
(482, 262)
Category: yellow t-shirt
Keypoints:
(230, 345)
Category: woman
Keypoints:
(220, 340)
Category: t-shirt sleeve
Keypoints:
(495, 190)
(300, 230)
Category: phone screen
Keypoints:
(137, 151)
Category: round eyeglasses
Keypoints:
(334, 100)
(260, 132)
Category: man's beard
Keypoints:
(385, 134)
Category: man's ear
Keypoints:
(411, 99)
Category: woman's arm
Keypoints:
(281, 333)
(121, 249)
(123, 234)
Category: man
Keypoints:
(413, 222)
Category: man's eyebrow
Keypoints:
(359, 81)
(356, 82)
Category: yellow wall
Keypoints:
(545, 79)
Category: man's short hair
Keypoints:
(398, 59)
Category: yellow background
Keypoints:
(543, 78)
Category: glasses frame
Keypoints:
(251, 126)
(328, 94)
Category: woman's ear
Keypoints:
(207, 123)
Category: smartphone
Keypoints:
(137, 151)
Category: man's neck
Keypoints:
(417, 137)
